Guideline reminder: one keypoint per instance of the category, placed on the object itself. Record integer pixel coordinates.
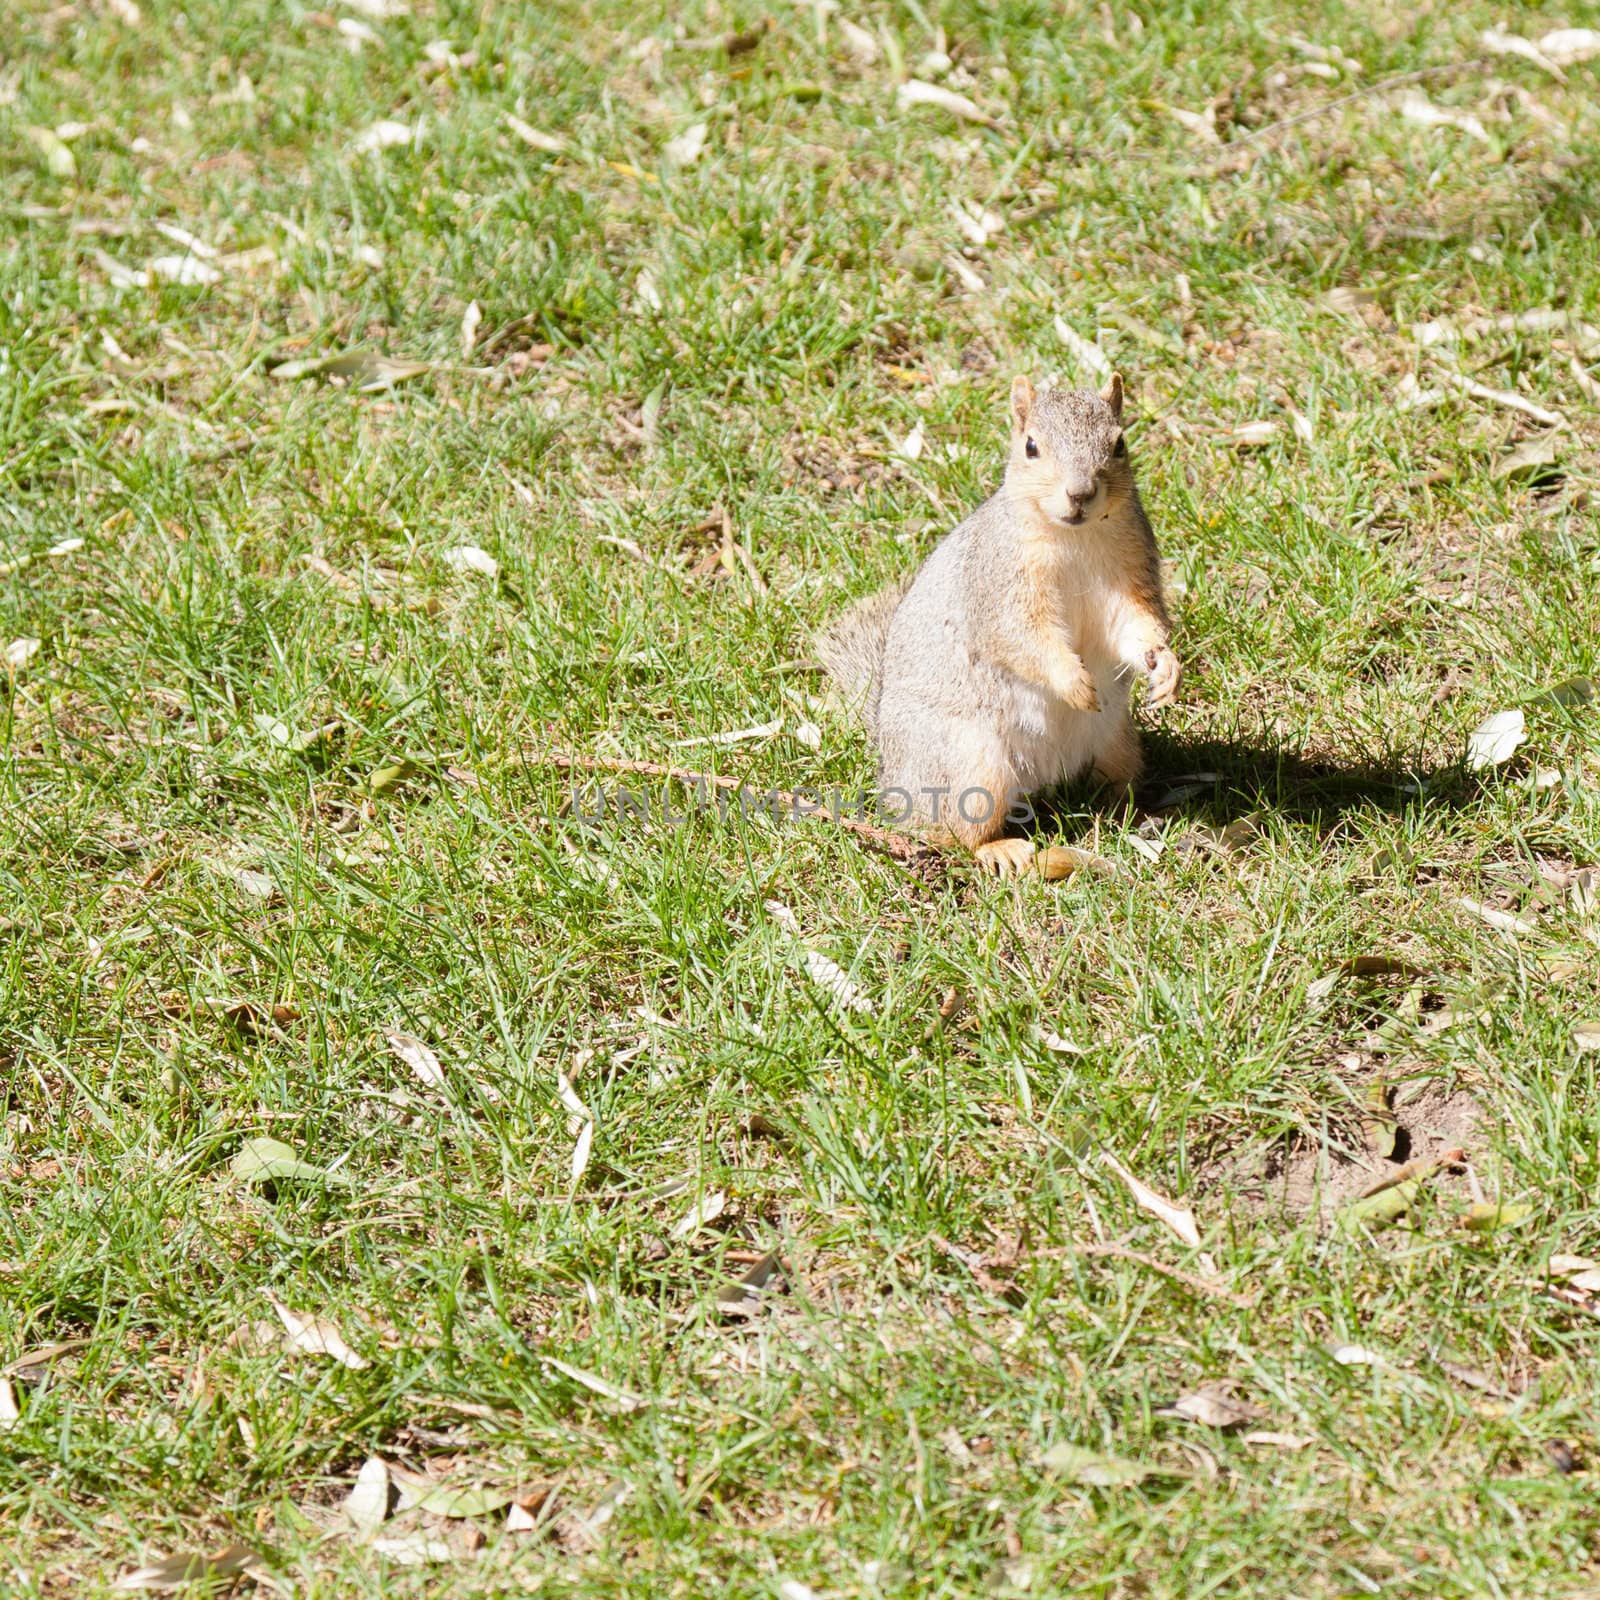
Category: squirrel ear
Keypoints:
(1021, 399)
(1112, 394)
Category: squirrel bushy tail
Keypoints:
(851, 647)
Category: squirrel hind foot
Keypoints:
(1008, 858)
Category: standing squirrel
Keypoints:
(1004, 665)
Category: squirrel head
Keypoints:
(1069, 461)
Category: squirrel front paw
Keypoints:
(1166, 673)
(1073, 685)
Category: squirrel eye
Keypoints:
(1031, 450)
(1122, 447)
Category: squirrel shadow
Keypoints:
(1226, 780)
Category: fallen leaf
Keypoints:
(367, 1504)
(1345, 301)
(1278, 1441)
(1086, 354)
(1497, 41)
(413, 1550)
(1496, 739)
(808, 733)
(551, 143)
(863, 47)
(270, 1161)
(686, 149)
(176, 1571)
(831, 977)
(316, 1336)
(1203, 124)
(705, 1210)
(187, 271)
(1100, 1471)
(1419, 109)
(916, 92)
(58, 158)
(598, 1385)
(1179, 1220)
(1586, 1036)
(1530, 459)
(1356, 1355)
(365, 372)
(415, 1491)
(1378, 1125)
(1569, 46)
(1212, 1406)
(417, 1056)
(20, 652)
(1503, 920)
(743, 1295)
(357, 35)
(30, 1363)
(1361, 967)
(1253, 435)
(1380, 1210)
(386, 135)
(647, 292)
(1570, 692)
(1491, 1216)
(1509, 398)
(581, 1151)
(469, 558)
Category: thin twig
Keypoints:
(1398, 81)
(1120, 1252)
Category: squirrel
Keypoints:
(1004, 664)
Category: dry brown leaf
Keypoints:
(177, 1571)
(687, 148)
(1496, 739)
(386, 134)
(1086, 354)
(316, 1336)
(1509, 398)
(863, 47)
(829, 976)
(1176, 1217)
(1503, 920)
(469, 558)
(581, 1152)
(413, 1550)
(367, 1504)
(624, 1398)
(417, 1056)
(705, 1210)
(917, 92)
(1569, 46)
(551, 143)
(1212, 1406)
(1419, 109)
(20, 652)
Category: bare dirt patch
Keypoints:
(1312, 1177)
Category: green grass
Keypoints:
(1349, 608)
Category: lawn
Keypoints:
(620, 1197)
